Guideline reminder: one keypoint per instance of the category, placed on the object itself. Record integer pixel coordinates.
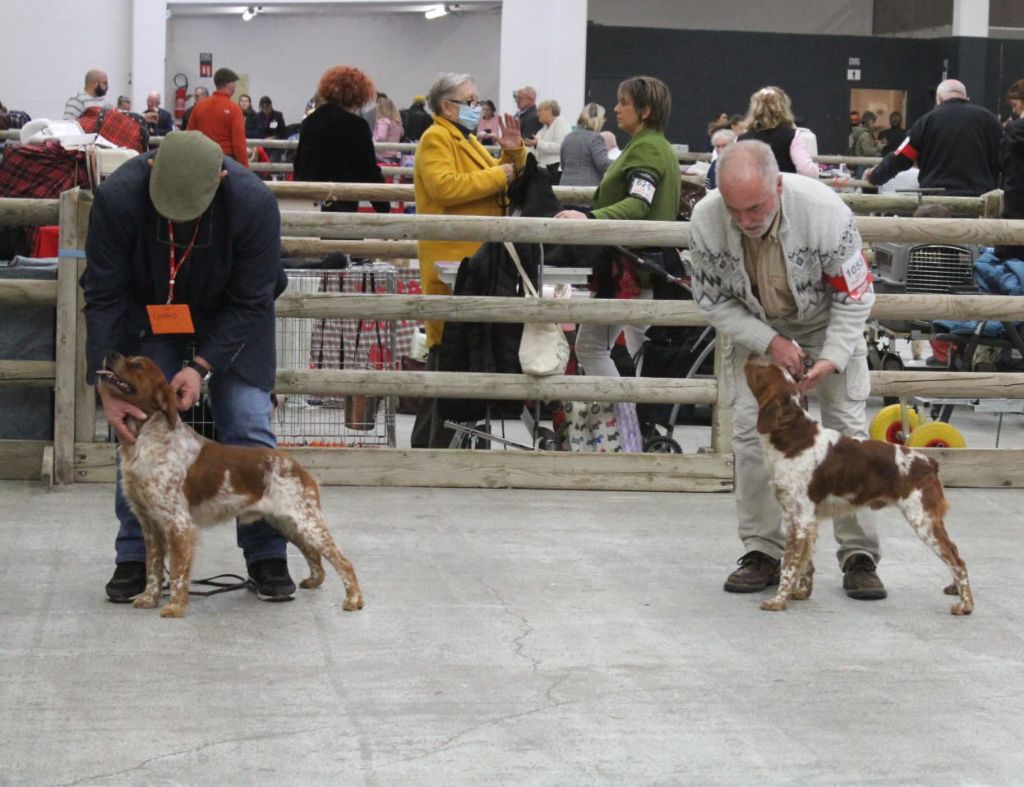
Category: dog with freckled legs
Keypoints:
(175, 480)
(818, 473)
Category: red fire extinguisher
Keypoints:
(180, 93)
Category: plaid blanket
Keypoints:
(124, 129)
(41, 171)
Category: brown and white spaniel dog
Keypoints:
(175, 479)
(817, 473)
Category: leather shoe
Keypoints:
(756, 572)
(128, 581)
(860, 580)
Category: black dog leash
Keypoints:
(221, 586)
(218, 583)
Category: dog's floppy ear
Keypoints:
(769, 417)
(167, 402)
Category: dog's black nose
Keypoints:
(111, 358)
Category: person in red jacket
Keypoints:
(219, 118)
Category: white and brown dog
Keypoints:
(175, 479)
(817, 473)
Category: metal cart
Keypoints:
(309, 343)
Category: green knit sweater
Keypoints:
(648, 152)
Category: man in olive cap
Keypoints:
(221, 119)
(183, 265)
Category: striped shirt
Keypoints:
(77, 104)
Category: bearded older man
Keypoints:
(778, 268)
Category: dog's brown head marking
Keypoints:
(780, 406)
(138, 380)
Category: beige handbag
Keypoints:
(543, 350)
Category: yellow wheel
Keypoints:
(936, 434)
(887, 426)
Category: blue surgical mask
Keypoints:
(469, 116)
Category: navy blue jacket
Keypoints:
(230, 282)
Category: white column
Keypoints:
(149, 52)
(970, 18)
(544, 44)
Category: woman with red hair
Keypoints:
(335, 141)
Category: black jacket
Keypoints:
(1011, 160)
(529, 123)
(252, 124)
(778, 139)
(271, 127)
(485, 346)
(415, 120)
(230, 282)
(956, 147)
(336, 146)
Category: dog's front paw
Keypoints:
(951, 589)
(353, 603)
(172, 611)
(145, 601)
(774, 604)
(963, 608)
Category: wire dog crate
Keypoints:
(309, 343)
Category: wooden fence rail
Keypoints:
(602, 232)
(73, 454)
(36, 212)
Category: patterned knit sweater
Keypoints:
(818, 234)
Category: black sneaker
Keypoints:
(129, 581)
(270, 580)
(860, 580)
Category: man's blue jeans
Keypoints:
(242, 413)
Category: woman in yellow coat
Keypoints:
(455, 175)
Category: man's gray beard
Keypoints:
(760, 231)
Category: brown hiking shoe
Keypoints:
(756, 572)
(860, 580)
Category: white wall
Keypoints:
(534, 54)
(820, 17)
(284, 56)
(48, 47)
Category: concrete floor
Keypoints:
(510, 637)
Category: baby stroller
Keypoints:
(676, 351)
(682, 351)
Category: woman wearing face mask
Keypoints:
(335, 143)
(455, 175)
(642, 183)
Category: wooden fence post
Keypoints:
(992, 204)
(74, 220)
(721, 415)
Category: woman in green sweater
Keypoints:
(641, 184)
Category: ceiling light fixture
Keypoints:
(436, 12)
(248, 14)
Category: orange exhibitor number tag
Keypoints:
(170, 318)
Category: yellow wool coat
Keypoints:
(454, 175)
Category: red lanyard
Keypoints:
(175, 267)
